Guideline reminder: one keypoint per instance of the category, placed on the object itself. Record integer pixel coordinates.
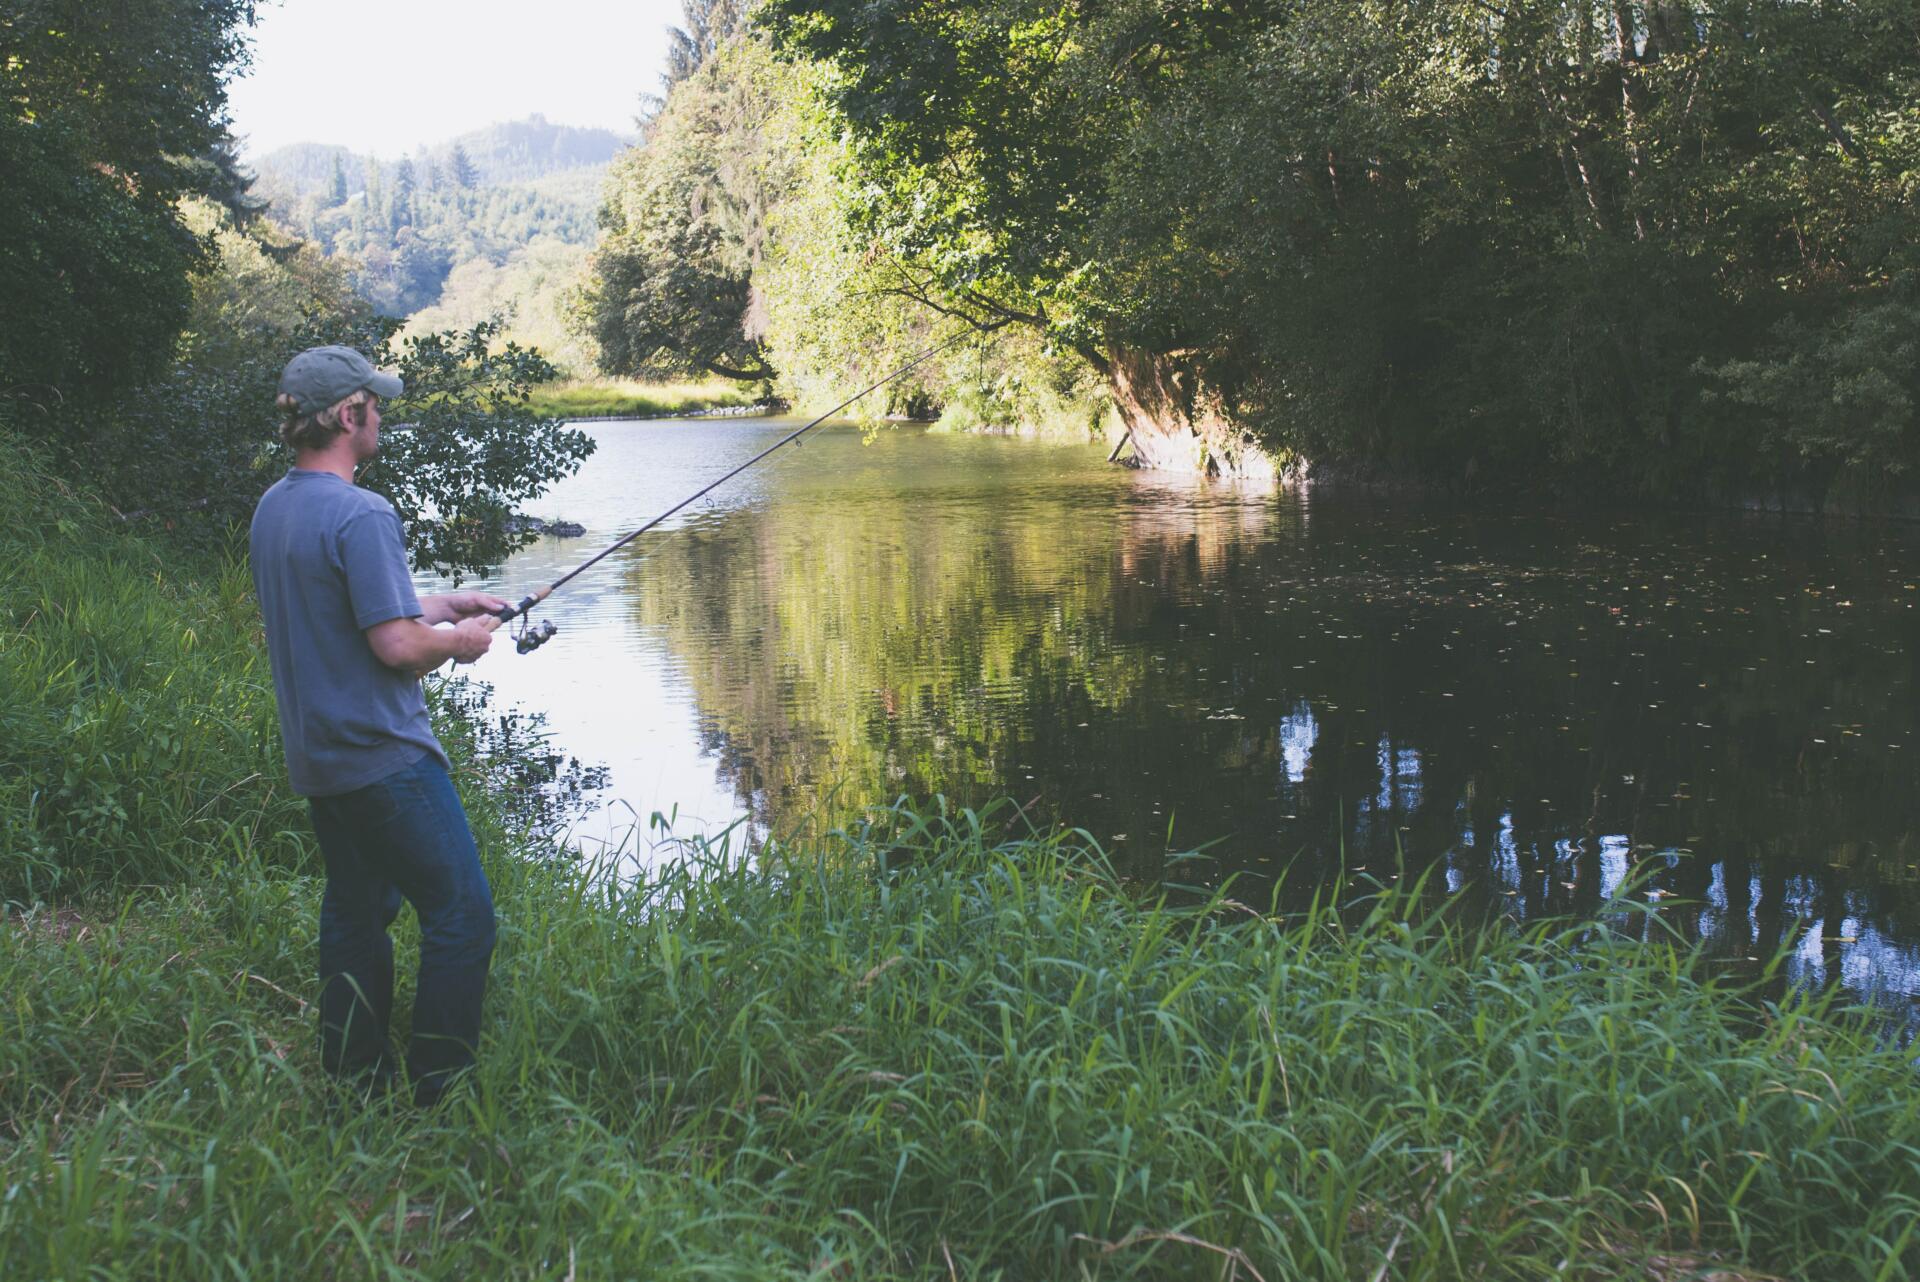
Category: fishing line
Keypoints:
(530, 637)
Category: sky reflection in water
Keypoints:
(1533, 707)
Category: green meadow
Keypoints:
(630, 398)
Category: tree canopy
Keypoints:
(111, 114)
(1517, 234)
(1668, 241)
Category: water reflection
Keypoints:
(1534, 710)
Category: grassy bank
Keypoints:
(924, 1049)
(596, 398)
(997, 1056)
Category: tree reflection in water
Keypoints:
(1536, 709)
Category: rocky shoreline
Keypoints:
(521, 523)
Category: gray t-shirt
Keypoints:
(329, 563)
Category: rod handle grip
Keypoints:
(508, 613)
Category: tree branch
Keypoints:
(1839, 131)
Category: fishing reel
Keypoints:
(530, 636)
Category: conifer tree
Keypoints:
(376, 203)
(460, 168)
(400, 212)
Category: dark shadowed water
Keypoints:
(1531, 705)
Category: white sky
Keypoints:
(385, 76)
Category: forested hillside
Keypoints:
(508, 152)
(497, 221)
(1663, 246)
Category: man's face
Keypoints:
(366, 430)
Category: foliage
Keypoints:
(838, 316)
(707, 26)
(499, 155)
(192, 447)
(479, 202)
(730, 230)
(1842, 392)
(527, 293)
(108, 118)
(472, 447)
(683, 225)
(1459, 238)
(104, 277)
(136, 710)
(193, 444)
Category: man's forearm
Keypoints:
(411, 645)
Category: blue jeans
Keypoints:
(402, 837)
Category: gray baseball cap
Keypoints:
(322, 377)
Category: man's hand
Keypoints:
(451, 607)
(472, 636)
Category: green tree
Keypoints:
(110, 115)
(337, 192)
(707, 25)
(400, 201)
(1452, 238)
(460, 168)
(683, 225)
(526, 293)
(375, 205)
(470, 449)
(192, 444)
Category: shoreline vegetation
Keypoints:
(931, 1045)
(591, 398)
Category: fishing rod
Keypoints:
(530, 637)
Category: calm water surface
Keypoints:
(1530, 704)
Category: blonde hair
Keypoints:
(317, 430)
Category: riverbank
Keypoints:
(934, 1046)
(997, 1056)
(627, 398)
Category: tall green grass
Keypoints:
(923, 1049)
(993, 1061)
(137, 725)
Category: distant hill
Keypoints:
(520, 150)
(467, 210)
(510, 152)
(306, 169)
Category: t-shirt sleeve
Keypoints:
(375, 561)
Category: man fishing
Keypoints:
(348, 639)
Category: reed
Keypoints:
(930, 1046)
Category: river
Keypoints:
(1531, 707)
